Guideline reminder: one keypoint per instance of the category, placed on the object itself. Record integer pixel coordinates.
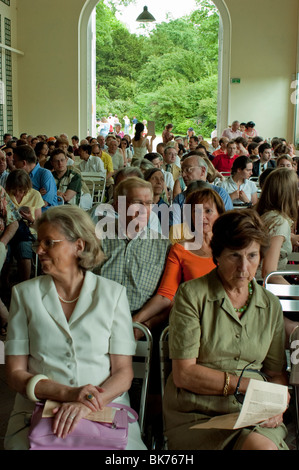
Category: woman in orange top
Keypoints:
(186, 260)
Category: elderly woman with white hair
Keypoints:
(70, 336)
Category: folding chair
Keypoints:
(165, 362)
(96, 183)
(165, 369)
(288, 295)
(141, 367)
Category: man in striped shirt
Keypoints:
(135, 254)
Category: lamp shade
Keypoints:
(145, 16)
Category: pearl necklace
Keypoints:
(68, 301)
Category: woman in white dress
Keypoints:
(70, 336)
(141, 145)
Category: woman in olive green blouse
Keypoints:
(219, 324)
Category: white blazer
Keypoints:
(74, 352)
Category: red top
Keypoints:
(223, 162)
(181, 266)
(218, 152)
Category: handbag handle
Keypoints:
(128, 409)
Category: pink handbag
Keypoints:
(87, 435)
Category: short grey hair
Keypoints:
(75, 223)
(127, 172)
(200, 160)
(142, 163)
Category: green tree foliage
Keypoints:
(168, 76)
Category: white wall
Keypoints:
(48, 73)
(264, 55)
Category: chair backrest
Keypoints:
(165, 361)
(294, 256)
(2, 353)
(165, 370)
(93, 174)
(288, 294)
(96, 183)
(99, 190)
(255, 179)
(141, 368)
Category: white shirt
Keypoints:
(168, 179)
(74, 352)
(93, 164)
(249, 188)
(231, 135)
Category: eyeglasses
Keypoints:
(46, 244)
(238, 395)
(9, 154)
(143, 203)
(189, 169)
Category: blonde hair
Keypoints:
(280, 193)
(75, 223)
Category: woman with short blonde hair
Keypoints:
(70, 335)
(75, 224)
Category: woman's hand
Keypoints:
(138, 334)
(243, 196)
(273, 422)
(88, 395)
(43, 191)
(27, 216)
(235, 195)
(67, 417)
(295, 240)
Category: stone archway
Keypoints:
(86, 77)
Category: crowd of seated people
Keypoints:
(147, 227)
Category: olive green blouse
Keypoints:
(204, 325)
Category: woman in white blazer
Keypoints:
(70, 336)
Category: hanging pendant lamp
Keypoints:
(145, 16)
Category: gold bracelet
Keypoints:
(226, 385)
